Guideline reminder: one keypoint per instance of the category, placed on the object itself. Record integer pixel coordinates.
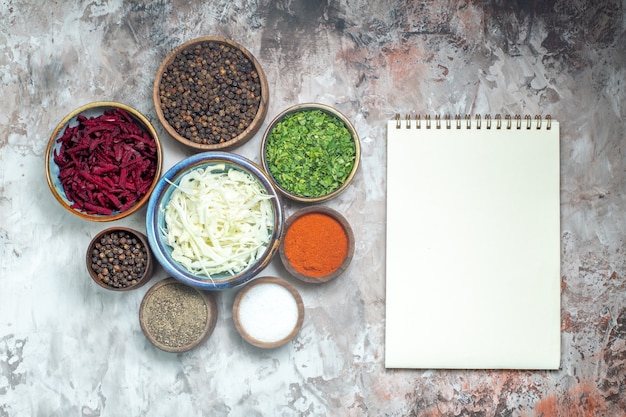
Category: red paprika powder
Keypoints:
(316, 244)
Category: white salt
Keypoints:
(268, 312)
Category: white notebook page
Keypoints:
(473, 247)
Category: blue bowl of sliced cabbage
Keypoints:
(214, 220)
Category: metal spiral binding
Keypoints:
(510, 122)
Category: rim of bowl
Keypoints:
(330, 110)
(346, 228)
(250, 130)
(262, 281)
(147, 275)
(209, 301)
(59, 195)
(160, 249)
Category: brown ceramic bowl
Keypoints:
(308, 159)
(224, 106)
(268, 312)
(114, 252)
(309, 269)
(175, 317)
(53, 170)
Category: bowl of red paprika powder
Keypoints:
(318, 244)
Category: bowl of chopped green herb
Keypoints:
(311, 152)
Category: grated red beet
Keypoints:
(106, 163)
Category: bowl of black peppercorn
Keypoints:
(210, 94)
(119, 259)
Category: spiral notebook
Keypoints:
(473, 243)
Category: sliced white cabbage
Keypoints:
(218, 221)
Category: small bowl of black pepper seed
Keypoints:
(211, 93)
(119, 259)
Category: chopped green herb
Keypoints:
(310, 153)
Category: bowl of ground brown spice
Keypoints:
(318, 244)
(175, 317)
(211, 93)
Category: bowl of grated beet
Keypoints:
(103, 160)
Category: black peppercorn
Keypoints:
(111, 258)
(210, 79)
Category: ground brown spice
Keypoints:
(176, 315)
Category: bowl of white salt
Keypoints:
(268, 312)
